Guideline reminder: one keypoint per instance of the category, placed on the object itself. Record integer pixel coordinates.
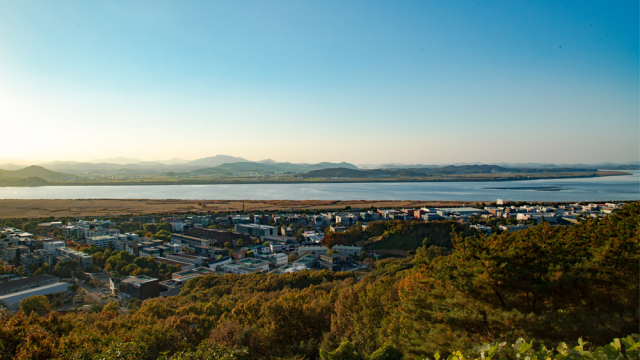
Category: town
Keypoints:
(84, 264)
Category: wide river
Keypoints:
(588, 189)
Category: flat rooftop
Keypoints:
(140, 279)
(196, 271)
(171, 262)
(9, 286)
(17, 296)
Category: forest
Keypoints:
(468, 297)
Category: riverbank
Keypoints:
(44, 208)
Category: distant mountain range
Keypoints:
(268, 167)
(35, 175)
(444, 170)
(603, 166)
(226, 164)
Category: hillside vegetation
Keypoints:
(400, 235)
(31, 176)
(545, 284)
(34, 171)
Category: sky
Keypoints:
(373, 82)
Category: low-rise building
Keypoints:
(102, 241)
(52, 246)
(334, 262)
(141, 287)
(258, 249)
(348, 250)
(192, 259)
(150, 252)
(12, 300)
(276, 260)
(26, 283)
(247, 266)
(312, 250)
(85, 260)
(256, 230)
(337, 228)
(37, 257)
(218, 263)
(431, 217)
(210, 251)
(481, 228)
(307, 261)
(190, 274)
(183, 265)
(216, 236)
(189, 242)
(282, 243)
(289, 268)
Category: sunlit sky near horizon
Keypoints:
(371, 82)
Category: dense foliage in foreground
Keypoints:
(547, 284)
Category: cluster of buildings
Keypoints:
(16, 244)
(82, 230)
(254, 245)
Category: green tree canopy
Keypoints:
(38, 304)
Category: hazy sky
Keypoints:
(309, 81)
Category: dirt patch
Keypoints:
(391, 252)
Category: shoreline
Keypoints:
(337, 181)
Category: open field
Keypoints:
(106, 207)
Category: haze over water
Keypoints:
(585, 189)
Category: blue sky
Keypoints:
(309, 81)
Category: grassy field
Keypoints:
(106, 207)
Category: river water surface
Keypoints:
(587, 189)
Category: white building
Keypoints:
(53, 246)
(247, 266)
(276, 259)
(85, 260)
(102, 241)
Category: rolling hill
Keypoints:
(35, 171)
